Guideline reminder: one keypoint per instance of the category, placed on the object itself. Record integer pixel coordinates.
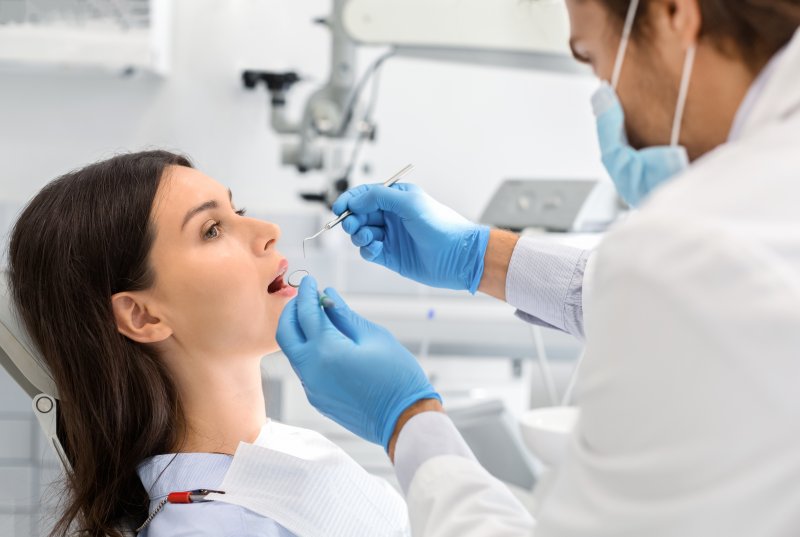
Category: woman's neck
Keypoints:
(223, 404)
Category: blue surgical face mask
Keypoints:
(636, 173)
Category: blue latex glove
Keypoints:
(407, 231)
(353, 371)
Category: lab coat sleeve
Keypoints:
(545, 284)
(686, 390)
(449, 494)
(424, 437)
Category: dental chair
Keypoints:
(20, 360)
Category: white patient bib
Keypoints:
(310, 486)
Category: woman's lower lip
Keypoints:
(287, 291)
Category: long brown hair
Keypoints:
(84, 237)
(751, 29)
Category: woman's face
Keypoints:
(218, 282)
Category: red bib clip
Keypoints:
(191, 496)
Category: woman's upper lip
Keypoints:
(283, 267)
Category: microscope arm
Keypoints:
(527, 34)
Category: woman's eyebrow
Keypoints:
(205, 206)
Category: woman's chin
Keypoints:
(280, 302)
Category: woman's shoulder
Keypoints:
(212, 518)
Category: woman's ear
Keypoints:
(135, 321)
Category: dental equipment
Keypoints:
(338, 117)
(333, 223)
(294, 281)
(26, 367)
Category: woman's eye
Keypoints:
(215, 229)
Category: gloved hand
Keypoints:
(407, 231)
(353, 371)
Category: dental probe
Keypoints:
(335, 222)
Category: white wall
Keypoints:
(465, 128)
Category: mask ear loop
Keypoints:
(686, 77)
(623, 44)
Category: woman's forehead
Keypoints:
(182, 189)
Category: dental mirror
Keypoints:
(296, 277)
(294, 281)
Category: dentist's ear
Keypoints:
(680, 19)
(135, 321)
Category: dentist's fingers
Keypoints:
(289, 335)
(371, 198)
(373, 252)
(340, 205)
(354, 222)
(407, 187)
(348, 321)
(381, 198)
(309, 314)
(339, 315)
(378, 198)
(367, 234)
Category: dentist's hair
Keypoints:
(753, 30)
(84, 237)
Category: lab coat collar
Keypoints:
(163, 474)
(780, 96)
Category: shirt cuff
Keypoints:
(545, 283)
(423, 437)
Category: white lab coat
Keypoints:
(690, 390)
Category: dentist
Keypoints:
(690, 308)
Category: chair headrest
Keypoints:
(17, 354)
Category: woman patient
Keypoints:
(152, 300)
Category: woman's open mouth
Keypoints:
(279, 286)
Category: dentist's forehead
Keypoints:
(587, 18)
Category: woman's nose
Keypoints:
(267, 235)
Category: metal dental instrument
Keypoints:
(294, 281)
(333, 223)
(296, 277)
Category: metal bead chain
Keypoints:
(152, 515)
